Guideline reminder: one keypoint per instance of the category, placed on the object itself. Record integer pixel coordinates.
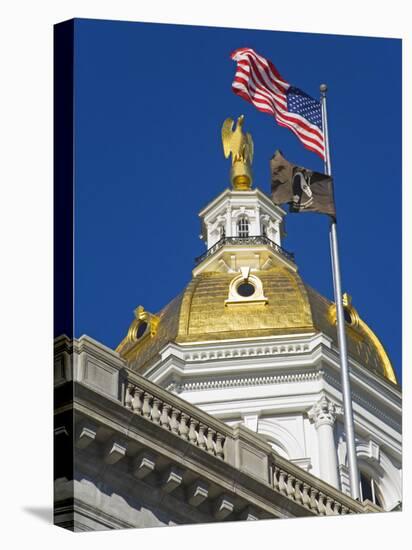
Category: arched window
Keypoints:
(243, 227)
(369, 489)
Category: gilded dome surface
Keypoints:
(205, 316)
(200, 314)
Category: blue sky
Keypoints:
(149, 103)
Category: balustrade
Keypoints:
(287, 479)
(252, 240)
(173, 419)
(308, 496)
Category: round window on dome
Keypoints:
(348, 316)
(245, 290)
(141, 329)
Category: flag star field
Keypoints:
(299, 102)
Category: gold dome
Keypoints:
(200, 314)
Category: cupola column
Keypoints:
(228, 220)
(258, 221)
(323, 415)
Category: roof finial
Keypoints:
(240, 145)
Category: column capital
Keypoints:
(324, 412)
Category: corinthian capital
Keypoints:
(323, 412)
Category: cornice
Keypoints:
(233, 195)
(244, 347)
(368, 375)
(313, 347)
(360, 399)
(362, 379)
(242, 381)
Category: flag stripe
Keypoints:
(248, 53)
(258, 102)
(305, 131)
(261, 79)
(261, 92)
(258, 81)
(296, 122)
(265, 78)
(308, 144)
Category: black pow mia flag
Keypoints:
(303, 189)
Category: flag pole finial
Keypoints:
(323, 88)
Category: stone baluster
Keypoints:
(321, 504)
(156, 410)
(192, 431)
(164, 417)
(290, 489)
(129, 396)
(328, 508)
(174, 423)
(201, 441)
(137, 401)
(147, 409)
(183, 427)
(323, 415)
(313, 504)
(305, 495)
(337, 507)
(219, 445)
(282, 482)
(298, 492)
(209, 442)
(276, 472)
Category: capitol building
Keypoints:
(226, 405)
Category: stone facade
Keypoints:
(145, 457)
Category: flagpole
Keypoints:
(340, 318)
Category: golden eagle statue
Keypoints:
(240, 145)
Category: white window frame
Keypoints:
(243, 226)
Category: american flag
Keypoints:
(258, 81)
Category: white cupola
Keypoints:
(242, 228)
